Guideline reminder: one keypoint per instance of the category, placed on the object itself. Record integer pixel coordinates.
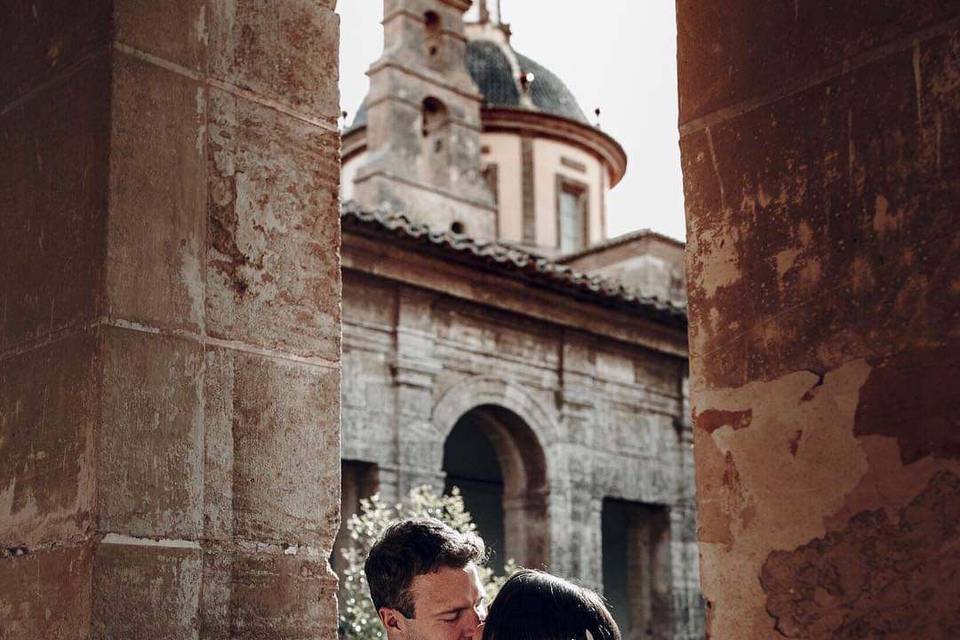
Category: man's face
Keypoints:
(448, 605)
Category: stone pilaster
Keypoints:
(586, 543)
(419, 445)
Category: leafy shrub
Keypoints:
(358, 618)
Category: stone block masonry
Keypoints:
(822, 179)
(169, 319)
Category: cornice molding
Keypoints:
(538, 124)
(423, 74)
(535, 124)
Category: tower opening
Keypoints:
(435, 116)
(433, 39)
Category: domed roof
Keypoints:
(492, 71)
(490, 68)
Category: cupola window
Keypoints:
(572, 208)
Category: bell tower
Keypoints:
(423, 123)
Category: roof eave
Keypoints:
(617, 242)
(518, 265)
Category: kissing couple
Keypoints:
(425, 585)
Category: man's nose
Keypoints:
(473, 620)
(478, 633)
(476, 616)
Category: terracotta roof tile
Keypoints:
(509, 258)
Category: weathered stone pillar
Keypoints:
(822, 177)
(169, 333)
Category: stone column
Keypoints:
(169, 342)
(819, 145)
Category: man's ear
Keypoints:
(392, 620)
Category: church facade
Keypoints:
(495, 340)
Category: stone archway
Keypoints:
(480, 390)
(516, 429)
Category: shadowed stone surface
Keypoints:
(47, 594)
(152, 397)
(264, 594)
(145, 591)
(283, 419)
(49, 411)
(55, 204)
(154, 262)
(280, 50)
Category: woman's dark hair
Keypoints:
(411, 548)
(533, 605)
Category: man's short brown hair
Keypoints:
(412, 548)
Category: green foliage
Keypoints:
(358, 618)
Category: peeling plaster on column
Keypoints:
(888, 483)
(200, 26)
(202, 115)
(884, 221)
(720, 252)
(191, 273)
(757, 470)
(785, 260)
(716, 167)
(918, 78)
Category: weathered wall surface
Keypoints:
(822, 175)
(169, 319)
(643, 260)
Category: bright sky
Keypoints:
(619, 55)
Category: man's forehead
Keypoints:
(445, 588)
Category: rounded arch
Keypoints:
(491, 390)
(431, 19)
(518, 430)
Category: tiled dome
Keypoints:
(492, 71)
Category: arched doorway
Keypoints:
(495, 459)
(637, 568)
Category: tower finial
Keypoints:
(484, 12)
